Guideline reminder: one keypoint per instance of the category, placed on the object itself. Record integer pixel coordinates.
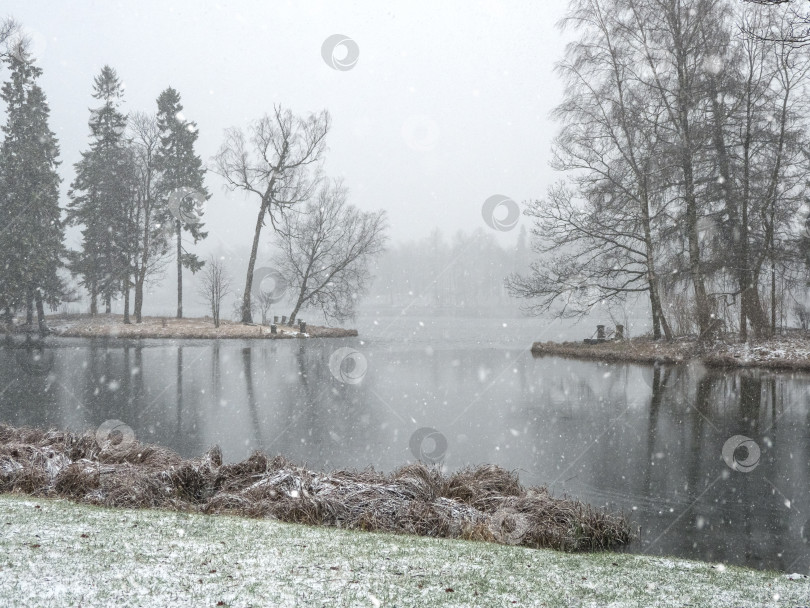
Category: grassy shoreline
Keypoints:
(484, 503)
(779, 353)
(113, 326)
(57, 553)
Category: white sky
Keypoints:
(475, 79)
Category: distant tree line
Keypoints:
(684, 157)
(464, 271)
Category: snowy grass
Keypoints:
(57, 553)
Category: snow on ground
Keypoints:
(782, 348)
(56, 553)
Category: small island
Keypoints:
(113, 326)
(787, 352)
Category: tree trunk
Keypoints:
(659, 318)
(139, 296)
(703, 309)
(686, 97)
(140, 273)
(247, 316)
(301, 296)
(179, 270)
(295, 311)
(737, 208)
(656, 322)
(43, 328)
(93, 299)
(773, 298)
(29, 309)
(126, 295)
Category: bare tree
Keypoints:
(673, 41)
(681, 143)
(152, 237)
(603, 230)
(264, 301)
(796, 20)
(326, 250)
(278, 161)
(215, 284)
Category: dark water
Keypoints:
(645, 441)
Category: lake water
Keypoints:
(648, 442)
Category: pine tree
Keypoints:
(31, 231)
(180, 167)
(101, 198)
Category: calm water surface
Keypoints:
(648, 442)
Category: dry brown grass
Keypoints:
(484, 503)
(637, 350)
(113, 326)
(790, 352)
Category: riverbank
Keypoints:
(58, 553)
(781, 352)
(110, 468)
(113, 326)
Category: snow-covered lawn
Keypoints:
(57, 553)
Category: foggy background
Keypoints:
(448, 104)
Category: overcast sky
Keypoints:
(447, 105)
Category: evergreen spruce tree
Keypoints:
(31, 230)
(101, 198)
(180, 167)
